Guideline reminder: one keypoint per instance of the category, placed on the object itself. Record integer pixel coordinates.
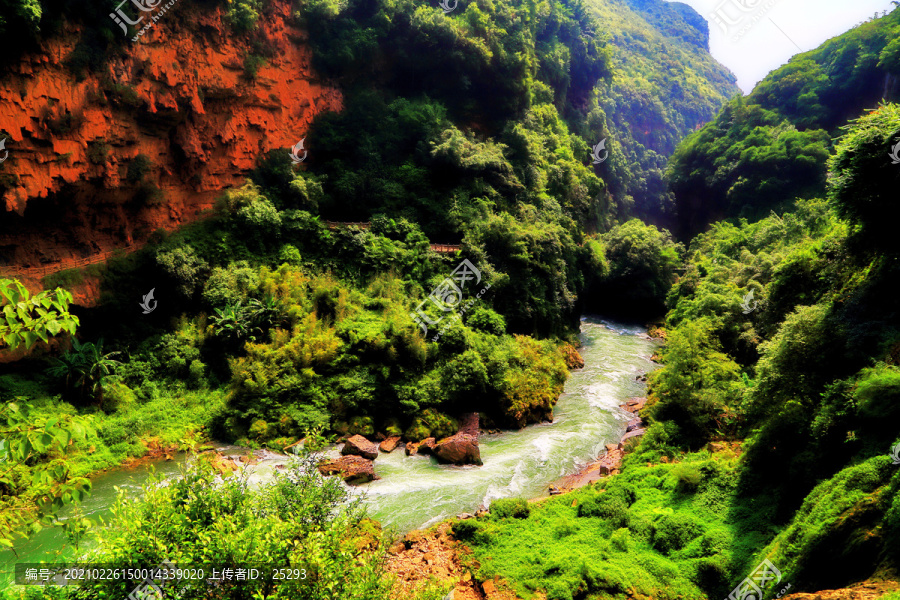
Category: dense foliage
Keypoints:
(763, 151)
(777, 402)
(298, 521)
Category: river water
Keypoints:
(414, 492)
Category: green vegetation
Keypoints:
(778, 394)
(28, 319)
(297, 521)
(764, 151)
(640, 532)
(769, 421)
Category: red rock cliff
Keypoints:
(179, 95)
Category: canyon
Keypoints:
(100, 160)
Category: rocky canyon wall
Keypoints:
(182, 96)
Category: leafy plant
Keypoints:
(85, 370)
(27, 319)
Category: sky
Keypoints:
(762, 46)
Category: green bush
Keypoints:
(687, 477)
(137, 168)
(517, 508)
(609, 507)
(362, 426)
(675, 531)
(486, 320)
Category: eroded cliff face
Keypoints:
(180, 96)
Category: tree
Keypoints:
(642, 262)
(27, 319)
(32, 493)
(863, 180)
(695, 385)
(85, 370)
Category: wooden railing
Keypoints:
(445, 248)
(337, 224)
(45, 270)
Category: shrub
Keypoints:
(675, 531)
(137, 168)
(687, 477)
(97, 152)
(609, 507)
(465, 530)
(362, 426)
(504, 508)
(486, 320)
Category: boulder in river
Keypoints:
(412, 448)
(389, 444)
(360, 446)
(426, 446)
(633, 424)
(461, 448)
(354, 469)
(611, 462)
(634, 405)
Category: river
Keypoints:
(414, 492)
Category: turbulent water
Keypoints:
(414, 492)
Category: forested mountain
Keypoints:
(767, 149)
(313, 291)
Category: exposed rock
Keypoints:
(610, 447)
(461, 448)
(634, 405)
(412, 448)
(175, 97)
(354, 469)
(865, 590)
(464, 516)
(633, 424)
(555, 491)
(611, 462)
(426, 446)
(432, 555)
(389, 444)
(631, 434)
(360, 446)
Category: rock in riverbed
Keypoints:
(612, 462)
(360, 446)
(354, 469)
(389, 444)
(461, 448)
(634, 405)
(633, 424)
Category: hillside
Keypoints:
(767, 149)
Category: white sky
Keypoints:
(764, 48)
